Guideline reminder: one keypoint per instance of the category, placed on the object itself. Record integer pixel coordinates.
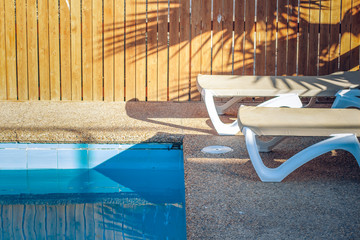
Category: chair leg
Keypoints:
(347, 98)
(348, 142)
(222, 108)
(220, 127)
(269, 145)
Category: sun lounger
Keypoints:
(238, 87)
(341, 125)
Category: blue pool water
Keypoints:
(91, 191)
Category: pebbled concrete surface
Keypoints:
(224, 197)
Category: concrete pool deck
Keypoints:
(224, 197)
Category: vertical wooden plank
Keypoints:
(98, 220)
(87, 48)
(313, 39)
(152, 51)
(51, 221)
(65, 61)
(324, 56)
(76, 88)
(11, 85)
(44, 64)
(334, 35)
(32, 39)
(162, 50)
(174, 50)
(303, 38)
(61, 221)
(270, 37)
(217, 55)
(184, 50)
(260, 37)
(355, 35)
(140, 50)
(89, 224)
(97, 51)
(22, 70)
(108, 50)
(205, 12)
(119, 51)
(345, 44)
(2, 52)
(108, 221)
(29, 221)
(249, 37)
(282, 37)
(54, 50)
(195, 47)
(292, 37)
(130, 71)
(227, 36)
(239, 38)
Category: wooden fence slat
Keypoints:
(17, 219)
(51, 221)
(162, 51)
(2, 52)
(130, 71)
(270, 37)
(205, 11)
(65, 60)
(249, 37)
(260, 37)
(97, 51)
(140, 50)
(303, 38)
(195, 48)
(108, 50)
(80, 221)
(184, 50)
(227, 37)
(355, 36)
(174, 50)
(239, 38)
(11, 85)
(152, 51)
(282, 37)
(345, 43)
(87, 54)
(313, 39)
(54, 50)
(32, 36)
(6, 215)
(334, 35)
(44, 64)
(76, 88)
(119, 51)
(70, 220)
(324, 56)
(292, 37)
(217, 58)
(22, 70)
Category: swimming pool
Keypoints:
(92, 191)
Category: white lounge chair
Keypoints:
(341, 125)
(238, 87)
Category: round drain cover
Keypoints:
(216, 149)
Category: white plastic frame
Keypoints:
(348, 142)
(282, 100)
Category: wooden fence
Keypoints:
(152, 50)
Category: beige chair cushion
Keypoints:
(299, 121)
(268, 86)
